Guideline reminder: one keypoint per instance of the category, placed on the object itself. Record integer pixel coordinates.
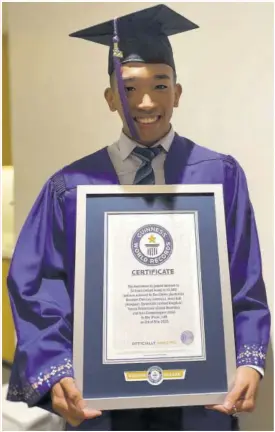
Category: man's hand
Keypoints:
(67, 401)
(243, 395)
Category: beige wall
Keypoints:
(226, 68)
(8, 339)
(6, 138)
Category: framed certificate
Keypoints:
(153, 321)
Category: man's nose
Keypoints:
(146, 103)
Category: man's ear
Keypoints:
(178, 92)
(109, 96)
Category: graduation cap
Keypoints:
(137, 37)
(143, 35)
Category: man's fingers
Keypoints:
(70, 390)
(243, 395)
(233, 396)
(73, 396)
(64, 407)
(84, 413)
(57, 390)
(60, 406)
(219, 408)
(73, 422)
(91, 413)
(246, 405)
(242, 405)
(76, 404)
(65, 397)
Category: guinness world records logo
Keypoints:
(152, 245)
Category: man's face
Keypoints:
(152, 95)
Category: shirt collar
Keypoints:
(126, 145)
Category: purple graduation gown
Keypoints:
(41, 277)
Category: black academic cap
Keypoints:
(143, 35)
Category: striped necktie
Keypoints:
(145, 173)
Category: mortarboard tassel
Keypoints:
(117, 55)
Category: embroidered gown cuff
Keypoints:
(252, 355)
(33, 390)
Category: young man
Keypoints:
(144, 92)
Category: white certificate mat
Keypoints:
(152, 305)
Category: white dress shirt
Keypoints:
(126, 164)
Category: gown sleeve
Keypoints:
(250, 308)
(41, 307)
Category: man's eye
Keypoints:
(129, 89)
(161, 87)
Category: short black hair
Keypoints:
(113, 75)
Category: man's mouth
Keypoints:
(147, 120)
